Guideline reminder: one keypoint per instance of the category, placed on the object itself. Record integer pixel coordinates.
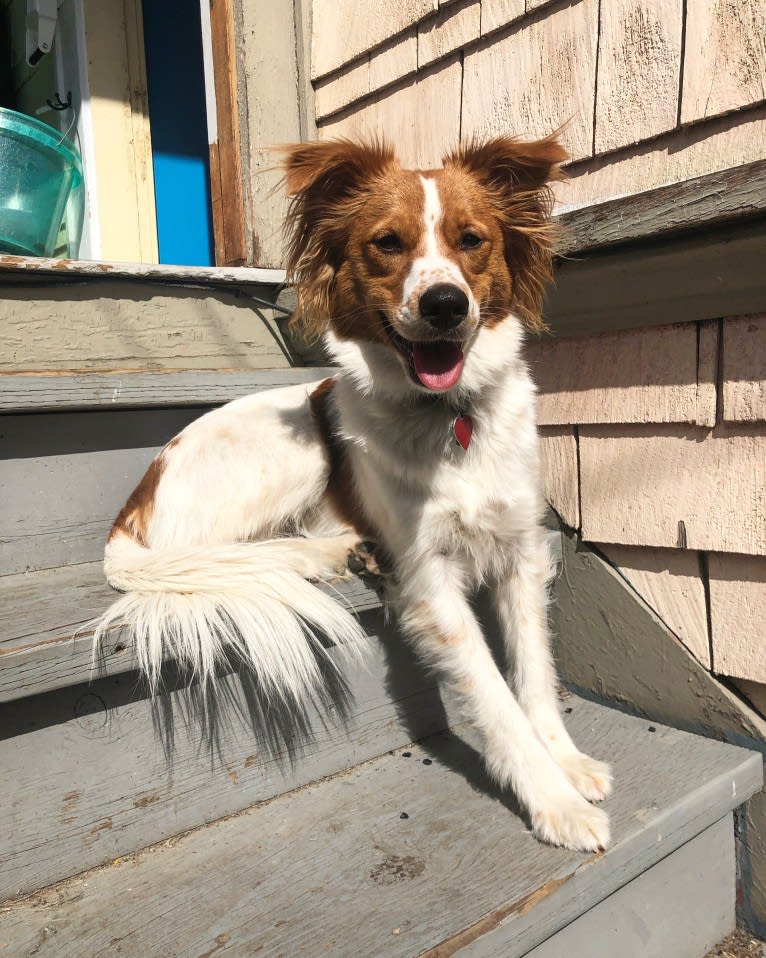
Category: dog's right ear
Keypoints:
(326, 183)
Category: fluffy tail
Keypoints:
(201, 603)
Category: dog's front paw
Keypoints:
(591, 778)
(573, 823)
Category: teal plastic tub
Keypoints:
(39, 171)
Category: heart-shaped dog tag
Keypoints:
(462, 429)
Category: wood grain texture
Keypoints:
(101, 770)
(498, 13)
(421, 116)
(394, 60)
(725, 62)
(702, 277)
(227, 197)
(642, 917)
(203, 387)
(558, 453)
(639, 65)
(737, 615)
(670, 582)
(449, 30)
(675, 487)
(682, 155)
(645, 375)
(69, 327)
(715, 199)
(63, 482)
(708, 359)
(490, 889)
(349, 84)
(46, 627)
(343, 29)
(744, 368)
(536, 78)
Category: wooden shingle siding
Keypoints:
(725, 62)
(421, 117)
(675, 487)
(499, 13)
(449, 30)
(351, 83)
(533, 80)
(343, 29)
(643, 375)
(639, 64)
(670, 581)
(394, 60)
(738, 614)
(744, 369)
(558, 451)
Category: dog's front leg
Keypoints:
(435, 614)
(521, 598)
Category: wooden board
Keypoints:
(497, 13)
(725, 61)
(394, 60)
(558, 454)
(714, 199)
(421, 115)
(737, 615)
(644, 375)
(45, 628)
(671, 582)
(460, 874)
(44, 393)
(675, 488)
(642, 918)
(94, 771)
(744, 369)
(535, 79)
(713, 274)
(63, 482)
(639, 65)
(449, 30)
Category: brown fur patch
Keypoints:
(341, 492)
(133, 518)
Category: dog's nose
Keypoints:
(443, 305)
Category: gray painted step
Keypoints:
(45, 641)
(334, 869)
(28, 392)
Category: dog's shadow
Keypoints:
(236, 715)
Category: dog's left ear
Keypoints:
(325, 182)
(515, 174)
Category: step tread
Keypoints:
(35, 392)
(45, 640)
(332, 868)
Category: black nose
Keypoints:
(444, 306)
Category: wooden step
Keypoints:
(46, 628)
(417, 853)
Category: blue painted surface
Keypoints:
(180, 154)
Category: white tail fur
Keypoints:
(198, 603)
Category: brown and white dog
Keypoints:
(424, 441)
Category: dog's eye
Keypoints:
(390, 243)
(470, 241)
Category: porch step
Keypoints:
(417, 853)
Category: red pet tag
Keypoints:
(462, 429)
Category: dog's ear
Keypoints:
(326, 183)
(515, 174)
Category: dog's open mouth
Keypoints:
(436, 365)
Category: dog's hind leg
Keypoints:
(437, 617)
(521, 602)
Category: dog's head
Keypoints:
(415, 264)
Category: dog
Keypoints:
(421, 284)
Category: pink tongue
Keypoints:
(438, 365)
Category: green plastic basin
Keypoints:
(38, 171)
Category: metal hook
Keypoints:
(59, 104)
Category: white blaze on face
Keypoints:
(432, 266)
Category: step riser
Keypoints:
(84, 790)
(680, 908)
